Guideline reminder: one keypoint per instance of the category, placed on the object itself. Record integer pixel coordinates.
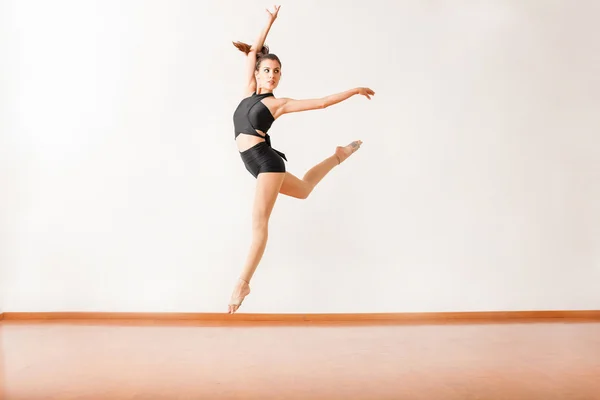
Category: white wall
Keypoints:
(477, 187)
(7, 184)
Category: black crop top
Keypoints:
(251, 114)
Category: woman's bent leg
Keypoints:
(301, 188)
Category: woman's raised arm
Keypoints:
(256, 48)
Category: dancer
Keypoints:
(252, 119)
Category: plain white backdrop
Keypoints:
(477, 186)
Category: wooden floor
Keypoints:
(192, 360)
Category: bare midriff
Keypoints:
(245, 141)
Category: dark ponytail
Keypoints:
(263, 54)
(245, 48)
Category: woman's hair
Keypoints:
(263, 54)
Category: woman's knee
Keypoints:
(260, 222)
(302, 191)
(306, 190)
(303, 195)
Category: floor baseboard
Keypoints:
(430, 317)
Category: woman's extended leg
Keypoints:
(301, 188)
(268, 185)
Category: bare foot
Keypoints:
(241, 290)
(344, 152)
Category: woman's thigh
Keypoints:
(268, 185)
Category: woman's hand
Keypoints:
(365, 92)
(273, 15)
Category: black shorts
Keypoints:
(262, 158)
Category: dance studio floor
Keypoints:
(194, 360)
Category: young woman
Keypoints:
(252, 120)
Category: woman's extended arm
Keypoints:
(292, 105)
(339, 97)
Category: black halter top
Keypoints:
(251, 114)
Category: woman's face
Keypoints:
(268, 74)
